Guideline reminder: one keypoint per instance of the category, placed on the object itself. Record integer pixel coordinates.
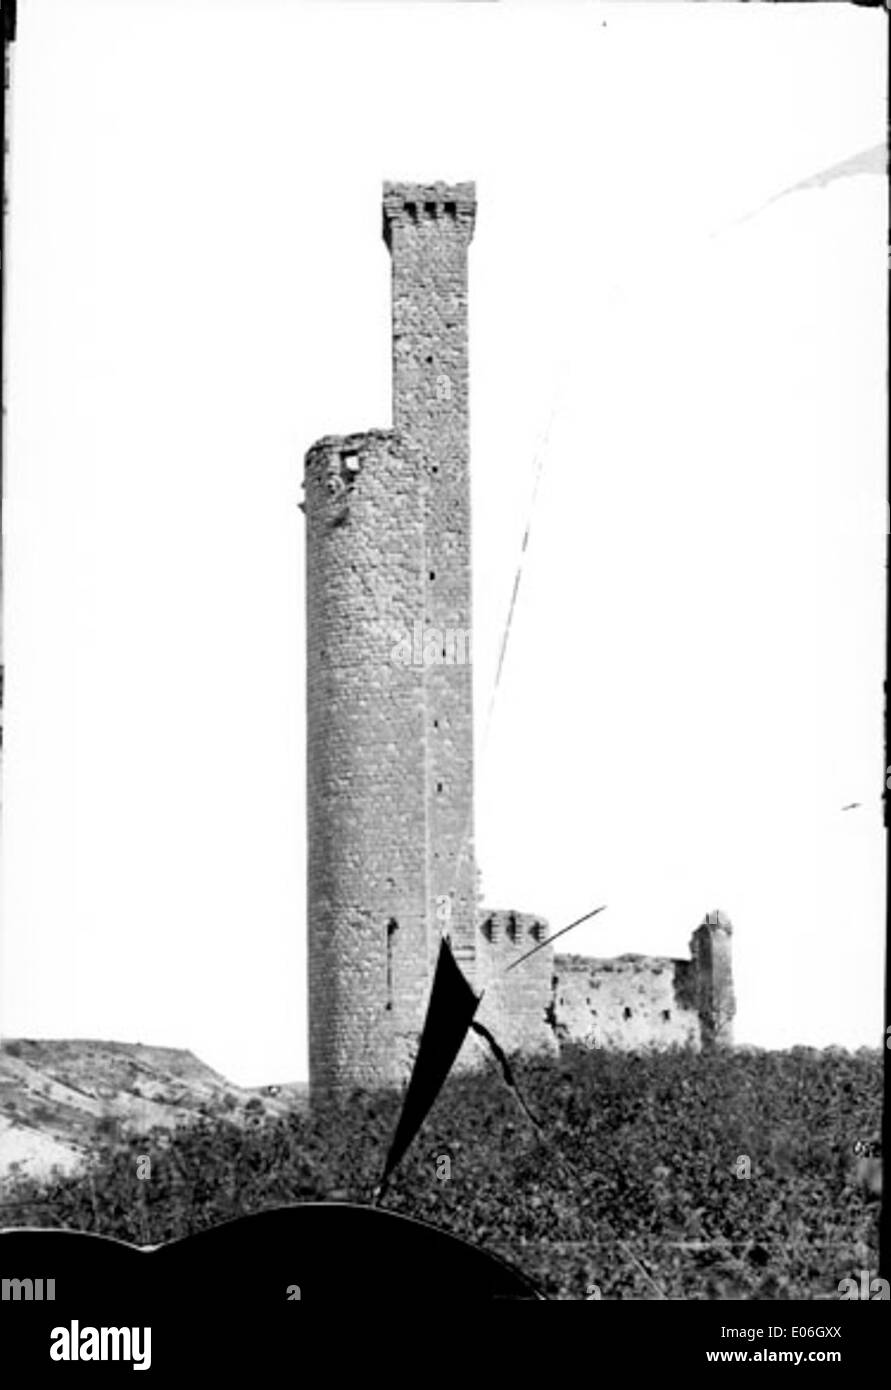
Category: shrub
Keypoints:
(725, 1175)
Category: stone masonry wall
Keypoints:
(367, 873)
(428, 228)
(635, 1001)
(515, 1005)
(627, 1002)
(390, 743)
(710, 947)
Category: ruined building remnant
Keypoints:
(631, 1001)
(391, 864)
(712, 975)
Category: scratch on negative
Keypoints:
(871, 161)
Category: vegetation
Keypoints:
(688, 1176)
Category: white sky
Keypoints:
(199, 289)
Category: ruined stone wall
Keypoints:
(633, 1001)
(625, 1002)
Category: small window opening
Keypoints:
(392, 928)
(430, 209)
(666, 1015)
(451, 209)
(626, 1012)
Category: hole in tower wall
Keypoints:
(451, 209)
(430, 209)
(412, 210)
(392, 928)
(626, 1013)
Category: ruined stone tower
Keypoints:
(390, 740)
(389, 693)
(712, 972)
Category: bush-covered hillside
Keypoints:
(672, 1174)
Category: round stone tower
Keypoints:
(389, 680)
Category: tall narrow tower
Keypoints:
(389, 681)
(428, 230)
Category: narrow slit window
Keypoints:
(392, 928)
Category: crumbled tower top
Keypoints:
(713, 932)
(318, 455)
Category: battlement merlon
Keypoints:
(415, 203)
(503, 927)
